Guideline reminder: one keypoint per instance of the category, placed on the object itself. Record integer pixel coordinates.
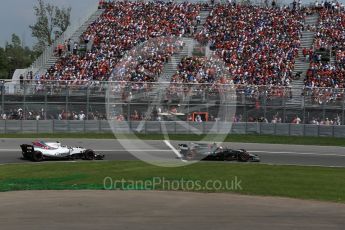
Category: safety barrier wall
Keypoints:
(169, 127)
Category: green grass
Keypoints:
(322, 141)
(317, 183)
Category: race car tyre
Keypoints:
(89, 155)
(37, 156)
(229, 158)
(25, 156)
(244, 157)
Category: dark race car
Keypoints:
(213, 152)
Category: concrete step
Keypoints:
(203, 17)
(75, 37)
(306, 43)
(312, 18)
(301, 66)
(307, 40)
(311, 22)
(300, 63)
(170, 68)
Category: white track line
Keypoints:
(302, 165)
(105, 150)
(39, 163)
(133, 150)
(177, 153)
(298, 153)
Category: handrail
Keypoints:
(66, 83)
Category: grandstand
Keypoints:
(275, 58)
(104, 20)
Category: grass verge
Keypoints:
(317, 183)
(269, 139)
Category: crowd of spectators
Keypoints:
(145, 62)
(259, 45)
(329, 32)
(324, 78)
(319, 121)
(214, 77)
(329, 96)
(41, 114)
(20, 114)
(276, 119)
(122, 26)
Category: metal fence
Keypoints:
(170, 127)
(137, 101)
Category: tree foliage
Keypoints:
(13, 56)
(51, 22)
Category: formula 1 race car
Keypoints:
(40, 150)
(213, 152)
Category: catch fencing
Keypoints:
(63, 107)
(168, 127)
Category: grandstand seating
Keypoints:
(258, 44)
(329, 37)
(122, 26)
(268, 59)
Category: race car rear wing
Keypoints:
(28, 148)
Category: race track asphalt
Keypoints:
(133, 149)
(147, 210)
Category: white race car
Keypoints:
(40, 150)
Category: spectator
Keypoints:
(122, 26)
(329, 36)
(268, 58)
(60, 49)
